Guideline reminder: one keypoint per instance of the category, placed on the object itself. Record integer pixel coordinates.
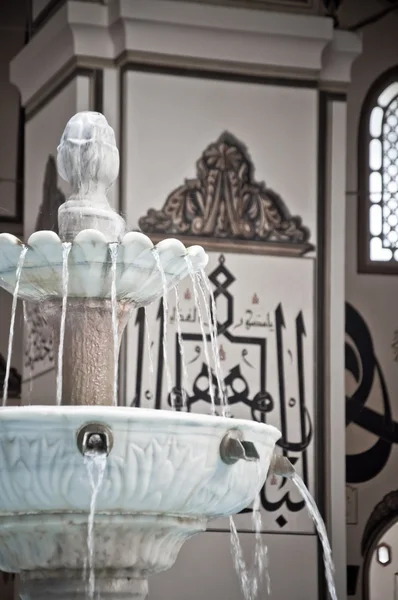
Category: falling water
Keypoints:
(149, 342)
(181, 348)
(66, 246)
(95, 464)
(251, 579)
(204, 285)
(26, 322)
(113, 249)
(239, 561)
(321, 529)
(260, 550)
(165, 317)
(21, 261)
(202, 328)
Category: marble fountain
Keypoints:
(153, 478)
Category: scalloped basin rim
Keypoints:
(142, 415)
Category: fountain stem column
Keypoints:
(88, 159)
(88, 372)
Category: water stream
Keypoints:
(202, 329)
(26, 323)
(251, 579)
(165, 318)
(321, 529)
(21, 261)
(149, 341)
(114, 249)
(184, 383)
(95, 464)
(205, 288)
(239, 561)
(66, 246)
(260, 549)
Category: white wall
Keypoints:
(168, 123)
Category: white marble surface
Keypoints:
(138, 278)
(88, 159)
(164, 478)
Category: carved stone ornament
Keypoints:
(225, 206)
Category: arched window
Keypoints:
(378, 178)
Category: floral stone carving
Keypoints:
(225, 201)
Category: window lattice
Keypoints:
(383, 176)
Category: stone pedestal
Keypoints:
(88, 362)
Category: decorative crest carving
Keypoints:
(225, 202)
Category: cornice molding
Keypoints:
(339, 56)
(199, 31)
(253, 39)
(77, 29)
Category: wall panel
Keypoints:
(169, 122)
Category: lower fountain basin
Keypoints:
(164, 479)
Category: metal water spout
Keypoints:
(94, 438)
(281, 466)
(234, 448)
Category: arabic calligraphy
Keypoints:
(250, 320)
(363, 365)
(189, 317)
(260, 342)
(253, 320)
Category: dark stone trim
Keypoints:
(218, 75)
(96, 78)
(18, 217)
(45, 15)
(326, 99)
(14, 382)
(19, 182)
(48, 11)
(382, 518)
(320, 286)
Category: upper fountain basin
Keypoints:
(161, 462)
(138, 278)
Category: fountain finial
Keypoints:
(88, 159)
